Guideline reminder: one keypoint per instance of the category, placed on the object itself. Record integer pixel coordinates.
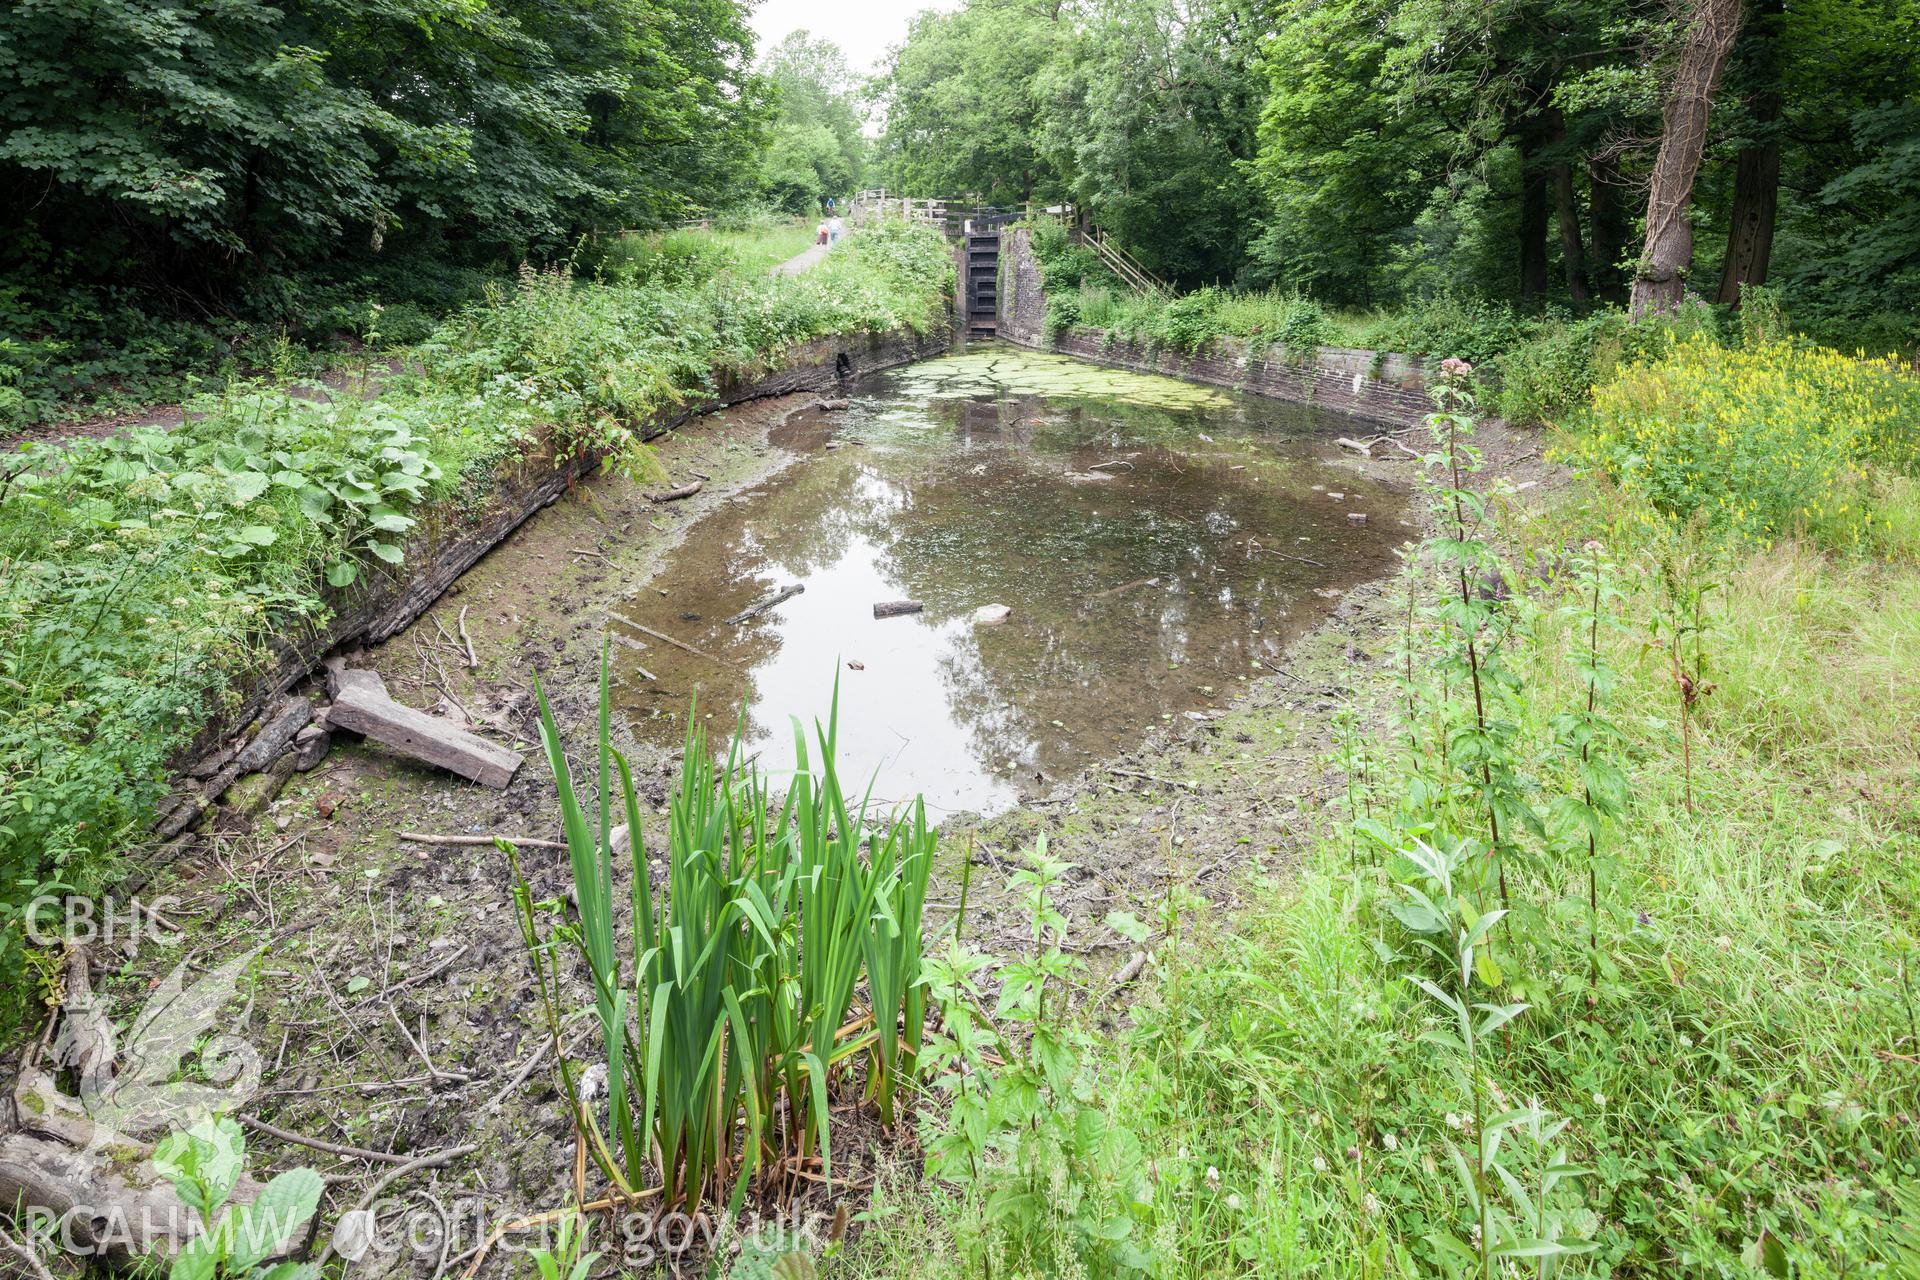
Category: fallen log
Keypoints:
(1136, 965)
(755, 611)
(420, 735)
(675, 495)
(275, 736)
(895, 608)
(98, 1184)
(1360, 447)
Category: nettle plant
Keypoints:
(1476, 622)
(1041, 1167)
(1589, 744)
(1514, 1176)
(204, 1164)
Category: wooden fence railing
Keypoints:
(1123, 264)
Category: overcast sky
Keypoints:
(863, 28)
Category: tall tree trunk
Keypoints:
(1607, 225)
(1756, 176)
(1533, 214)
(1756, 197)
(1661, 276)
(1566, 211)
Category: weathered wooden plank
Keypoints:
(275, 735)
(422, 736)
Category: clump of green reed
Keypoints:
(737, 990)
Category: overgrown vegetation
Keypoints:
(141, 575)
(1605, 967)
(1374, 155)
(1082, 293)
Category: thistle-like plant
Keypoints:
(1588, 738)
(1514, 1224)
(1482, 748)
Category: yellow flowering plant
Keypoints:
(1756, 442)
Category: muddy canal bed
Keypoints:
(1151, 542)
(1118, 709)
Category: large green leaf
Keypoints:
(277, 1217)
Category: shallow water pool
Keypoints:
(1151, 540)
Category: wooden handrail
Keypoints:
(1123, 264)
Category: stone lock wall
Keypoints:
(1339, 378)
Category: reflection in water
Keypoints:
(1151, 549)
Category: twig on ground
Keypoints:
(524, 842)
(479, 1254)
(333, 1148)
(433, 1072)
(432, 1161)
(625, 621)
(467, 640)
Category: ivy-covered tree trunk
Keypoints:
(1661, 277)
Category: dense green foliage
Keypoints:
(142, 575)
(1591, 973)
(1368, 153)
(235, 137)
(815, 148)
(176, 179)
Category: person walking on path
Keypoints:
(835, 229)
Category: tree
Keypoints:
(1756, 182)
(206, 142)
(815, 149)
(1150, 112)
(963, 96)
(1661, 277)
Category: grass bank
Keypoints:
(1534, 367)
(1602, 964)
(143, 576)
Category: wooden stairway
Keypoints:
(982, 284)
